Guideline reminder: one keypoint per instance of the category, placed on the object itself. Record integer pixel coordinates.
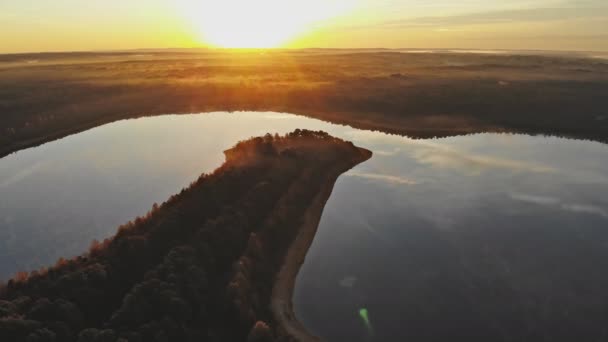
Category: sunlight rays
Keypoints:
(257, 24)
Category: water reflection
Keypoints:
(490, 236)
(488, 228)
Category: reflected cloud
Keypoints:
(443, 157)
(540, 200)
(376, 137)
(20, 175)
(387, 153)
(384, 178)
(441, 222)
(280, 116)
(348, 281)
(577, 208)
(585, 209)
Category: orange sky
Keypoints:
(68, 25)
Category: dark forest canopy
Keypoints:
(419, 95)
(199, 267)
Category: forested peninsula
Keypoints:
(201, 266)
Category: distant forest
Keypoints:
(47, 96)
(199, 267)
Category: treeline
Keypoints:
(200, 267)
(418, 95)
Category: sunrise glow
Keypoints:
(257, 24)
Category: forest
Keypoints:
(199, 267)
(47, 96)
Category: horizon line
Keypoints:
(210, 48)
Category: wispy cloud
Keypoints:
(7, 18)
(504, 16)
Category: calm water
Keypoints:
(425, 231)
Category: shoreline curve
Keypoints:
(281, 302)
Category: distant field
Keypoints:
(46, 96)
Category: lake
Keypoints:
(468, 236)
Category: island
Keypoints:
(215, 262)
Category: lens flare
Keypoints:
(364, 314)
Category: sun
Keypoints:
(256, 23)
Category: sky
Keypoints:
(76, 25)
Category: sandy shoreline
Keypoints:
(282, 291)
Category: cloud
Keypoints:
(503, 16)
(512, 37)
(8, 18)
(384, 178)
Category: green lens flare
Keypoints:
(364, 314)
